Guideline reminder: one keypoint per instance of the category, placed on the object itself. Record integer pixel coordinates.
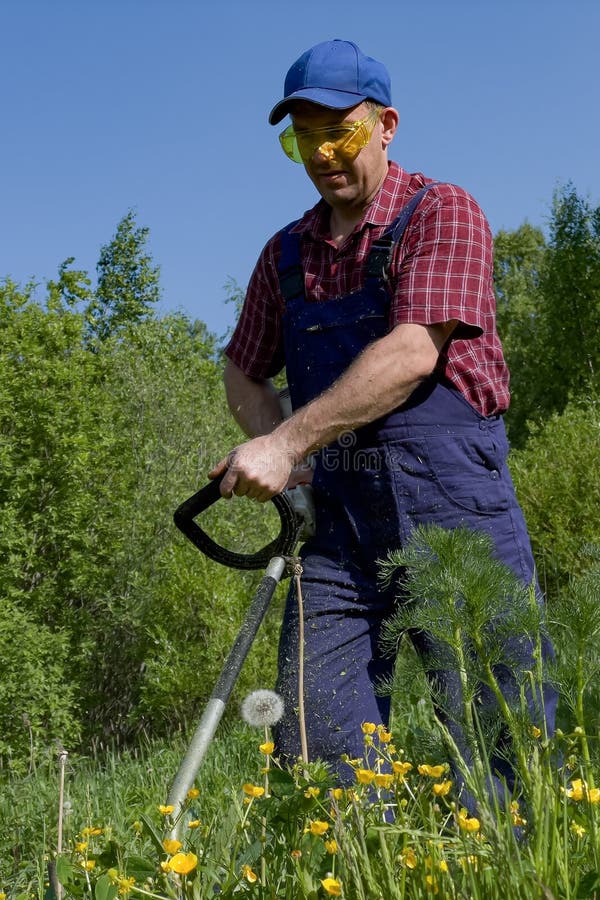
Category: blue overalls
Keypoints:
(435, 459)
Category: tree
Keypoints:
(128, 282)
(570, 315)
(549, 311)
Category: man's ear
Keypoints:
(389, 119)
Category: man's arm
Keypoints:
(254, 402)
(380, 379)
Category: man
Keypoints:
(386, 326)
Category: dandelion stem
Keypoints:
(62, 762)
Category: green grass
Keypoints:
(423, 851)
(112, 789)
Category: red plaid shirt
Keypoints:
(441, 270)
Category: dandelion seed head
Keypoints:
(262, 708)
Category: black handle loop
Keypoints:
(282, 545)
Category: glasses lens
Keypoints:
(289, 143)
(342, 141)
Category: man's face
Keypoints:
(344, 183)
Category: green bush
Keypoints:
(557, 477)
(37, 704)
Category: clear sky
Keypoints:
(161, 106)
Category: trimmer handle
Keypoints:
(283, 545)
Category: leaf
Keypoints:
(109, 856)
(65, 871)
(105, 889)
(139, 867)
(154, 835)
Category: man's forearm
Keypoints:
(254, 403)
(379, 380)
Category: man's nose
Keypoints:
(324, 153)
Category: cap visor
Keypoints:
(320, 96)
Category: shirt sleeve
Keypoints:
(256, 346)
(443, 266)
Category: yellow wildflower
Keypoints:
(535, 731)
(253, 790)
(2, 895)
(90, 832)
(312, 792)
(517, 819)
(125, 885)
(368, 727)
(409, 858)
(431, 884)
(248, 874)
(577, 790)
(193, 793)
(81, 846)
(331, 846)
(467, 824)
(267, 748)
(383, 734)
(183, 863)
(89, 864)
(401, 768)
(365, 776)
(431, 771)
(441, 788)
(165, 865)
(171, 845)
(137, 827)
(594, 795)
(337, 793)
(317, 827)
(195, 823)
(579, 830)
(165, 810)
(443, 865)
(332, 886)
(384, 781)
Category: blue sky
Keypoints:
(161, 106)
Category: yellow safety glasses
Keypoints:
(342, 142)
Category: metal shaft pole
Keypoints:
(213, 712)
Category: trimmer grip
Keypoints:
(282, 545)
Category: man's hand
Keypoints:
(258, 469)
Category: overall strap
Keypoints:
(289, 270)
(381, 249)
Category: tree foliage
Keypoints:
(548, 295)
(101, 437)
(128, 282)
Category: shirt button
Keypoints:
(494, 474)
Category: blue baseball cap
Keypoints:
(335, 74)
